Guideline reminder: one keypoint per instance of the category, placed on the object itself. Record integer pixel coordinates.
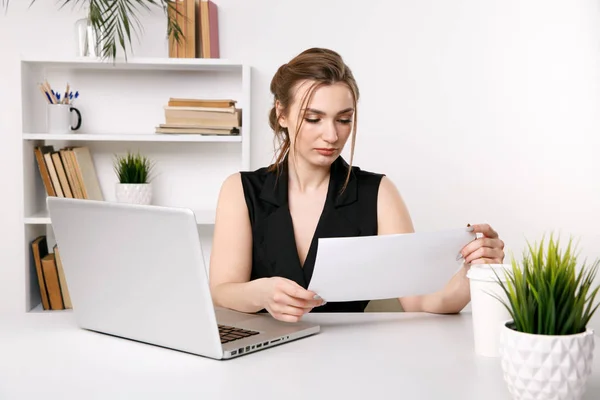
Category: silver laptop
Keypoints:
(138, 272)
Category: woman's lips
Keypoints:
(325, 151)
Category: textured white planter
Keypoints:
(544, 367)
(134, 193)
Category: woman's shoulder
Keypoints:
(259, 174)
(366, 175)
(377, 181)
(255, 180)
(240, 178)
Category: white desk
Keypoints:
(356, 356)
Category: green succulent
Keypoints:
(133, 168)
(550, 293)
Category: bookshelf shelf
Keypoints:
(40, 309)
(203, 217)
(39, 218)
(130, 137)
(139, 64)
(121, 103)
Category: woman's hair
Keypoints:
(321, 67)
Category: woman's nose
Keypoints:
(330, 132)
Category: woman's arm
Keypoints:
(392, 218)
(231, 254)
(231, 265)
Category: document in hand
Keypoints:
(386, 266)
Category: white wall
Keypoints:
(479, 111)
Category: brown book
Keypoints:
(204, 28)
(76, 172)
(44, 173)
(65, 155)
(62, 174)
(62, 279)
(209, 28)
(181, 21)
(198, 30)
(212, 110)
(209, 103)
(87, 173)
(197, 125)
(197, 130)
(213, 29)
(172, 42)
(52, 282)
(181, 116)
(39, 248)
(190, 28)
(53, 175)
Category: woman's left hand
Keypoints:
(488, 249)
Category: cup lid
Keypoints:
(485, 272)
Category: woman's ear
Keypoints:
(281, 114)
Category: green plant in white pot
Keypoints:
(133, 172)
(547, 347)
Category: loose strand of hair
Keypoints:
(353, 141)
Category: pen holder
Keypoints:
(59, 118)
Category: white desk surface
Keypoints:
(355, 356)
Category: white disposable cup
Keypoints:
(489, 314)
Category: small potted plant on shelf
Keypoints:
(133, 172)
(546, 349)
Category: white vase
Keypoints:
(134, 193)
(86, 39)
(546, 367)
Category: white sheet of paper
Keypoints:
(387, 266)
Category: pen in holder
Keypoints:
(58, 111)
(59, 119)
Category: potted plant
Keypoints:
(546, 349)
(133, 172)
(111, 22)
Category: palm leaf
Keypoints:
(115, 21)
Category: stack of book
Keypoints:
(54, 292)
(68, 172)
(199, 116)
(199, 24)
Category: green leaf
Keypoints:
(133, 168)
(114, 21)
(549, 292)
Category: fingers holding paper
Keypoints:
(486, 249)
(287, 301)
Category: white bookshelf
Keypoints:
(203, 217)
(139, 64)
(121, 103)
(132, 137)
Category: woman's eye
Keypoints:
(312, 120)
(345, 121)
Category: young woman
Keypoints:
(268, 220)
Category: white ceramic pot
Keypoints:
(546, 367)
(134, 193)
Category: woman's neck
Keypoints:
(305, 177)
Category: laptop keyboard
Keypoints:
(229, 333)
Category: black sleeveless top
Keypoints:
(274, 252)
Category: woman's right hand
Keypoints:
(285, 300)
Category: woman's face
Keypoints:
(327, 124)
